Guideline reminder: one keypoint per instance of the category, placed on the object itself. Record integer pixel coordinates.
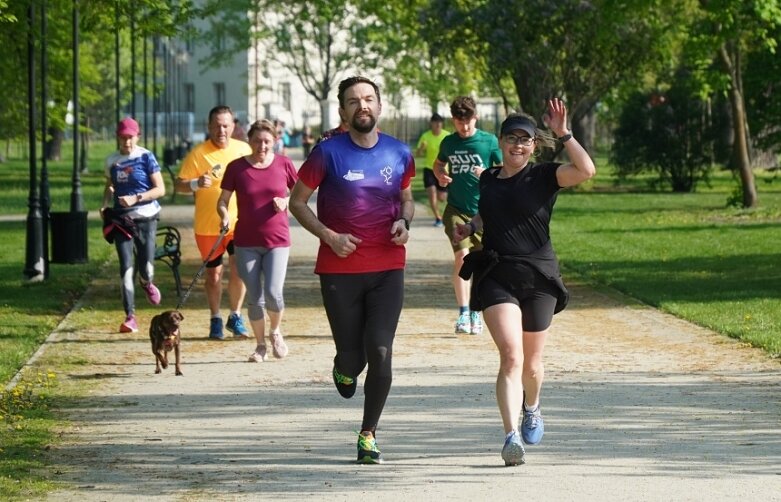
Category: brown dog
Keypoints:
(164, 334)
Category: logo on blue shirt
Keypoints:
(353, 175)
(387, 172)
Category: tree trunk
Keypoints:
(53, 145)
(740, 150)
(325, 115)
(583, 126)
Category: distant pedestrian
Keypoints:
(428, 145)
(238, 131)
(130, 210)
(307, 141)
(330, 133)
(515, 277)
(364, 208)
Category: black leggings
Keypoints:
(363, 311)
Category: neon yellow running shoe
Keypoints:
(344, 384)
(368, 453)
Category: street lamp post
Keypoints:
(34, 262)
(117, 90)
(155, 96)
(77, 198)
(45, 195)
(146, 90)
(133, 65)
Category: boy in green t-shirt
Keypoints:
(468, 152)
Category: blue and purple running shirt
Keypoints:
(359, 194)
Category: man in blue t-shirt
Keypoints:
(364, 207)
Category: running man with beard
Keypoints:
(364, 208)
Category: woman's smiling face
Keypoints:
(517, 147)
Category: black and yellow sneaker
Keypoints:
(344, 384)
(368, 453)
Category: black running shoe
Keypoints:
(368, 453)
(344, 384)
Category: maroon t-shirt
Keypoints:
(258, 223)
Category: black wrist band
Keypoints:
(406, 223)
(565, 138)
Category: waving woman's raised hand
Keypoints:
(556, 117)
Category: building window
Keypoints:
(220, 42)
(219, 93)
(284, 90)
(189, 97)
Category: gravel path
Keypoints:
(638, 405)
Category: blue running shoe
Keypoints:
(477, 322)
(532, 426)
(236, 326)
(463, 324)
(513, 451)
(215, 329)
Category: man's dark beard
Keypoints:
(361, 127)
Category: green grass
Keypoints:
(30, 311)
(27, 430)
(15, 174)
(686, 254)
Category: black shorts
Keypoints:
(537, 300)
(217, 260)
(429, 180)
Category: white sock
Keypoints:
(510, 434)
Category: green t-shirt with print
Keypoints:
(464, 155)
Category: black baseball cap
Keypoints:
(515, 122)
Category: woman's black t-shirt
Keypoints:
(516, 211)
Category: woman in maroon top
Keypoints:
(262, 182)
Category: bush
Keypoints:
(669, 134)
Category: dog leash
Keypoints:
(183, 298)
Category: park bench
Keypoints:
(168, 251)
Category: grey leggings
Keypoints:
(263, 272)
(144, 245)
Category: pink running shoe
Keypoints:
(259, 355)
(278, 345)
(130, 325)
(152, 293)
